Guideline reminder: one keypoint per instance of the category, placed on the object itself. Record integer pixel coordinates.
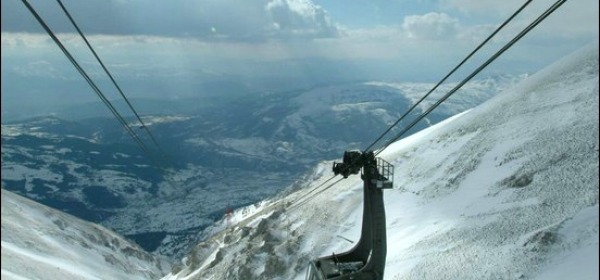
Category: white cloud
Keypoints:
(281, 37)
(431, 26)
(40, 68)
(23, 40)
(299, 17)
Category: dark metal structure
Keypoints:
(367, 259)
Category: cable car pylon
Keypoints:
(366, 261)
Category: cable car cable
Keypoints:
(144, 126)
(450, 73)
(442, 80)
(315, 194)
(543, 16)
(91, 83)
(549, 11)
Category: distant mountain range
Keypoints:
(223, 153)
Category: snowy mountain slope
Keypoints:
(508, 190)
(42, 243)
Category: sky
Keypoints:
(179, 49)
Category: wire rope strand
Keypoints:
(450, 73)
(315, 194)
(91, 82)
(112, 79)
(521, 34)
(549, 11)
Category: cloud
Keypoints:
(16, 41)
(233, 20)
(300, 17)
(189, 42)
(431, 26)
(40, 68)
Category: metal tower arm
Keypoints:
(367, 259)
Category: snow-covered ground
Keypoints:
(508, 190)
(39, 242)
